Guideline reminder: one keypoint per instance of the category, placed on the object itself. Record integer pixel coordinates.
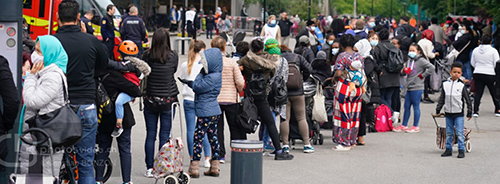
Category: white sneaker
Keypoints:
(477, 115)
(395, 117)
(206, 163)
(497, 114)
(341, 148)
(149, 173)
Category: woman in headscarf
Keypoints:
(43, 93)
(428, 47)
(372, 98)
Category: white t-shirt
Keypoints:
(187, 92)
(190, 15)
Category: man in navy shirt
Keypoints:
(86, 20)
(133, 29)
(108, 30)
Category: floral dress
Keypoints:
(347, 104)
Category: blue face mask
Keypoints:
(273, 22)
(372, 24)
(330, 42)
(462, 31)
(411, 36)
(374, 43)
(471, 27)
(25, 75)
(412, 54)
(335, 51)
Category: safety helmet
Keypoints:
(128, 48)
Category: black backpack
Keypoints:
(105, 105)
(248, 115)
(279, 93)
(395, 61)
(257, 85)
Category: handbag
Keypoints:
(472, 84)
(248, 116)
(319, 110)
(62, 125)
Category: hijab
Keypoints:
(53, 52)
(428, 34)
(363, 47)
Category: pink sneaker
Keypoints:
(413, 129)
(399, 128)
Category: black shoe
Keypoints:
(446, 153)
(283, 156)
(427, 100)
(461, 154)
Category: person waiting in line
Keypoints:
(210, 23)
(310, 32)
(304, 49)
(189, 71)
(484, 60)
(428, 50)
(232, 83)
(257, 60)
(417, 68)
(466, 43)
(242, 49)
(161, 91)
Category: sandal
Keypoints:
(360, 143)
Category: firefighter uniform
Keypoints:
(133, 29)
(88, 25)
(108, 34)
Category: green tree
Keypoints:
(380, 7)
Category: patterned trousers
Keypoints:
(206, 125)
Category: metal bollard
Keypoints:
(246, 162)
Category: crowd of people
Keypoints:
(361, 64)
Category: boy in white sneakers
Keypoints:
(453, 97)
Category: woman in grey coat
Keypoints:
(43, 93)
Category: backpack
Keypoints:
(395, 60)
(279, 93)
(383, 121)
(105, 105)
(294, 75)
(248, 115)
(257, 85)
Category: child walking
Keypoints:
(417, 68)
(453, 96)
(128, 50)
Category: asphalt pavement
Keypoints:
(386, 158)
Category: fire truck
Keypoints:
(42, 20)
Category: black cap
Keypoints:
(405, 18)
(309, 22)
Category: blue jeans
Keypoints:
(412, 98)
(467, 70)
(190, 115)
(455, 125)
(386, 96)
(266, 139)
(105, 142)
(121, 99)
(85, 148)
(151, 118)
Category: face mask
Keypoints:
(335, 51)
(462, 31)
(411, 36)
(313, 28)
(412, 54)
(371, 24)
(330, 42)
(471, 27)
(35, 57)
(446, 25)
(273, 22)
(374, 43)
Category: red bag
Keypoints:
(383, 121)
(472, 84)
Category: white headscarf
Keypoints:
(363, 47)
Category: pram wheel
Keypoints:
(314, 139)
(320, 139)
(170, 179)
(184, 178)
(467, 146)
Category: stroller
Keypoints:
(42, 141)
(238, 36)
(442, 73)
(315, 135)
(441, 136)
(169, 159)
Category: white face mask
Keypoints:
(313, 28)
(35, 57)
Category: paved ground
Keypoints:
(387, 157)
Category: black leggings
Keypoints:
(482, 80)
(231, 113)
(266, 117)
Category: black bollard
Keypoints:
(246, 162)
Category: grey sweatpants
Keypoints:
(299, 108)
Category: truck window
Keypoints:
(41, 9)
(27, 4)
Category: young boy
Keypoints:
(453, 97)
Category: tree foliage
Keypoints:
(380, 7)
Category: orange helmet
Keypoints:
(128, 48)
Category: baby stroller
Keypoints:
(441, 136)
(43, 143)
(238, 36)
(315, 135)
(169, 159)
(442, 73)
